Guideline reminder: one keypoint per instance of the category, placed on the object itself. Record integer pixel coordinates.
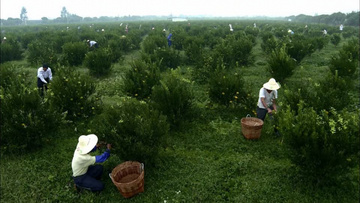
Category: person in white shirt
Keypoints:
(44, 76)
(267, 99)
(93, 43)
(86, 175)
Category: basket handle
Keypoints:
(141, 168)
(111, 176)
(248, 115)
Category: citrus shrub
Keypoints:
(323, 144)
(335, 39)
(165, 58)
(227, 88)
(139, 80)
(10, 50)
(40, 52)
(280, 64)
(153, 42)
(174, 98)
(346, 61)
(269, 42)
(72, 93)
(74, 53)
(98, 62)
(234, 50)
(26, 119)
(135, 130)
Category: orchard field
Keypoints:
(176, 107)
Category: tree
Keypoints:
(44, 20)
(64, 14)
(23, 15)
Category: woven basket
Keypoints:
(128, 177)
(251, 127)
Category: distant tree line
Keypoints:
(350, 19)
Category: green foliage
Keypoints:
(136, 131)
(323, 145)
(74, 53)
(10, 50)
(299, 47)
(71, 93)
(165, 58)
(269, 42)
(153, 42)
(233, 51)
(98, 62)
(26, 120)
(280, 64)
(193, 49)
(139, 80)
(352, 47)
(228, 89)
(174, 98)
(335, 39)
(204, 68)
(344, 64)
(332, 92)
(40, 52)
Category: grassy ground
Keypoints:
(207, 160)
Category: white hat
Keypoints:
(4, 37)
(86, 143)
(271, 85)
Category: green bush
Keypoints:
(269, 43)
(164, 57)
(72, 93)
(335, 39)
(174, 98)
(332, 92)
(40, 52)
(323, 145)
(153, 42)
(280, 64)
(26, 120)
(140, 79)
(228, 89)
(98, 62)
(352, 47)
(136, 131)
(9, 51)
(234, 51)
(299, 47)
(74, 53)
(344, 63)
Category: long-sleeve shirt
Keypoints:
(81, 162)
(41, 74)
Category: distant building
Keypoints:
(179, 20)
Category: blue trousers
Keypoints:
(90, 180)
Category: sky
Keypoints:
(36, 9)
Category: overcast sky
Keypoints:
(36, 9)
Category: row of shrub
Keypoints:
(320, 121)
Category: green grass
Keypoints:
(205, 160)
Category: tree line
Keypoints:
(349, 19)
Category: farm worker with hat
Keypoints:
(85, 173)
(267, 99)
(44, 75)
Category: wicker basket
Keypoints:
(251, 127)
(128, 177)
